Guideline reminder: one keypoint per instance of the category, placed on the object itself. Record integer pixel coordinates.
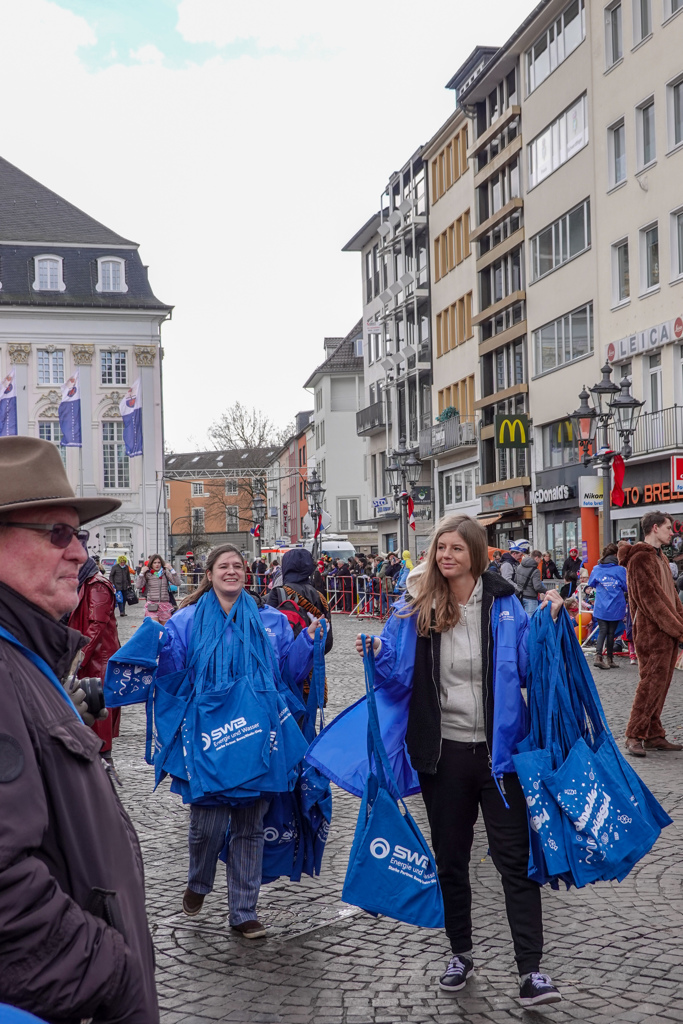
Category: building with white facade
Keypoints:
(74, 295)
(340, 453)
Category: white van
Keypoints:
(335, 545)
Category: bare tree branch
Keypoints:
(238, 427)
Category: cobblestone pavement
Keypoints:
(614, 950)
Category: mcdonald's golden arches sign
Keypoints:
(511, 431)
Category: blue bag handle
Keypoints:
(43, 667)
(385, 774)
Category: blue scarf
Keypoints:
(219, 657)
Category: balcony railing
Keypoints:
(452, 433)
(370, 420)
(657, 431)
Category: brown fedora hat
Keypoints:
(32, 474)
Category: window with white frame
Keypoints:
(197, 488)
(561, 241)
(649, 258)
(674, 112)
(676, 234)
(48, 430)
(458, 486)
(113, 367)
(50, 366)
(197, 519)
(231, 487)
(347, 513)
(48, 274)
(564, 340)
(111, 274)
(232, 519)
(621, 284)
(616, 144)
(642, 20)
(556, 43)
(671, 6)
(116, 464)
(614, 39)
(645, 133)
(118, 537)
(559, 142)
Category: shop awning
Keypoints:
(486, 518)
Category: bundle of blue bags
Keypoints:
(591, 816)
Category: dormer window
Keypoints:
(111, 274)
(49, 277)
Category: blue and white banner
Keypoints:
(131, 412)
(70, 413)
(8, 406)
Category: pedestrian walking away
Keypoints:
(154, 583)
(239, 626)
(609, 580)
(95, 619)
(74, 938)
(657, 617)
(451, 661)
(509, 561)
(528, 582)
(119, 577)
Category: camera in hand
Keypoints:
(94, 694)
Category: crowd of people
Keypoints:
(74, 937)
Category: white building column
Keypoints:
(18, 357)
(145, 356)
(82, 357)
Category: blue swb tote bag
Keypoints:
(391, 869)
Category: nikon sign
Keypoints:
(590, 491)
(511, 431)
(560, 493)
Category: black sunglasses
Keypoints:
(61, 534)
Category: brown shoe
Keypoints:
(661, 743)
(598, 662)
(609, 661)
(250, 929)
(192, 902)
(635, 747)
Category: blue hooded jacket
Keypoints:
(340, 751)
(295, 657)
(609, 580)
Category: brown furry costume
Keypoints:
(657, 615)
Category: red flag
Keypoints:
(319, 527)
(411, 513)
(619, 471)
(255, 531)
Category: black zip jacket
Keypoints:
(423, 735)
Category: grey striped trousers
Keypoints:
(208, 826)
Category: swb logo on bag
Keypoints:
(407, 862)
(231, 732)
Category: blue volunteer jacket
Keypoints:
(340, 751)
(294, 656)
(609, 580)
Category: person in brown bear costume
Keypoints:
(657, 629)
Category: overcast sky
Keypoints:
(241, 144)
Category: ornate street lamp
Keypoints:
(584, 421)
(604, 391)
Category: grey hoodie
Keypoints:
(462, 707)
(528, 578)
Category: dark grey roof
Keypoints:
(30, 212)
(200, 462)
(344, 358)
(80, 275)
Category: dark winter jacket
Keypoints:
(548, 570)
(120, 577)
(423, 735)
(571, 569)
(508, 566)
(74, 939)
(297, 569)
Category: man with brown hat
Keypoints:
(74, 939)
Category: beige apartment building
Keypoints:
(450, 442)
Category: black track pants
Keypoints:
(452, 797)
